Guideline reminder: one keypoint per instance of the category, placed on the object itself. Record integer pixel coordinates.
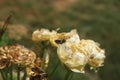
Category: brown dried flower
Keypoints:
(21, 55)
(17, 54)
(36, 73)
(4, 59)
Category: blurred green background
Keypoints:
(94, 19)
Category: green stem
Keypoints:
(25, 75)
(55, 69)
(3, 75)
(18, 73)
(11, 73)
(6, 73)
(68, 75)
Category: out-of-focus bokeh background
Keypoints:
(94, 19)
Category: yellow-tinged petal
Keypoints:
(73, 37)
(57, 39)
(61, 38)
(72, 57)
(95, 53)
(41, 35)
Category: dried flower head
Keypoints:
(54, 37)
(21, 55)
(76, 56)
(36, 73)
(93, 51)
(41, 35)
(70, 55)
(4, 59)
(61, 38)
